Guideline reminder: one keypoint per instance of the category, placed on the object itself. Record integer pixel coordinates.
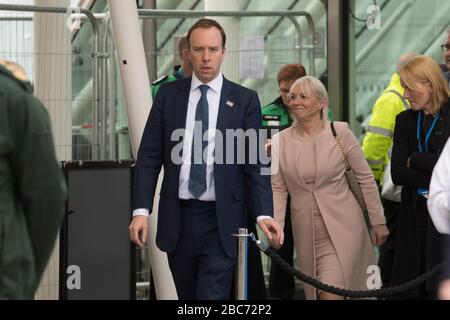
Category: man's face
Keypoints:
(206, 53)
(447, 52)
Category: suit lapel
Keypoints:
(224, 117)
(182, 103)
(224, 109)
(181, 108)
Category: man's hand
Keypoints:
(379, 234)
(273, 232)
(138, 224)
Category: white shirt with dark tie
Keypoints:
(213, 97)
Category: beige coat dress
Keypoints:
(339, 208)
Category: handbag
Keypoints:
(352, 181)
(389, 190)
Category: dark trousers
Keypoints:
(424, 255)
(281, 284)
(387, 250)
(200, 267)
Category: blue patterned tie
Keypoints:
(197, 176)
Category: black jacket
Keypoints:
(32, 189)
(409, 251)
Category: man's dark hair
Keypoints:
(207, 23)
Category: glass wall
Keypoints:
(404, 26)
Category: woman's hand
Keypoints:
(379, 234)
(273, 232)
(268, 147)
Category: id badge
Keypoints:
(423, 192)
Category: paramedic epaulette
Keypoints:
(160, 80)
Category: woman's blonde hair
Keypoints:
(425, 70)
(317, 89)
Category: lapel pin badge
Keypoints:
(229, 103)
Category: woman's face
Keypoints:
(303, 104)
(420, 97)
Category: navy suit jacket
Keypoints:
(231, 180)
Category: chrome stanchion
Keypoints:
(241, 264)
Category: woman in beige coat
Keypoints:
(330, 236)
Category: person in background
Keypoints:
(330, 234)
(439, 207)
(276, 116)
(276, 113)
(439, 199)
(377, 144)
(179, 71)
(32, 187)
(446, 49)
(437, 203)
(419, 137)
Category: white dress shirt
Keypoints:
(213, 97)
(439, 197)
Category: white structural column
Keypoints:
(230, 66)
(136, 88)
(52, 83)
(52, 73)
(131, 56)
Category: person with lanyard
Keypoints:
(377, 144)
(179, 71)
(419, 137)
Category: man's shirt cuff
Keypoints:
(141, 212)
(259, 218)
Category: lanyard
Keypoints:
(427, 136)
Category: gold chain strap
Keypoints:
(342, 149)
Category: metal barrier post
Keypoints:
(241, 264)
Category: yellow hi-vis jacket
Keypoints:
(378, 141)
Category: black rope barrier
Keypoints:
(384, 292)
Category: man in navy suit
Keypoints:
(202, 198)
